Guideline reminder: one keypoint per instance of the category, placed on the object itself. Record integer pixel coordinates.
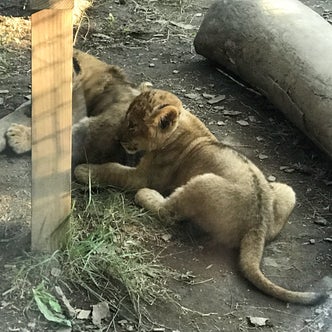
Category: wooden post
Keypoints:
(51, 122)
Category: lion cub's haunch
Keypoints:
(213, 185)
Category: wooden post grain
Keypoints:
(51, 124)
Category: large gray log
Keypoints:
(283, 49)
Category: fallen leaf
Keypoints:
(49, 307)
(193, 96)
(231, 113)
(208, 96)
(217, 99)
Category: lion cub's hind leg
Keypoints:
(283, 205)
(19, 138)
(153, 201)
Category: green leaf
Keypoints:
(49, 307)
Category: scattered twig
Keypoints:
(239, 83)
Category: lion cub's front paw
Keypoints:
(19, 138)
(83, 173)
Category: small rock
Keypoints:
(83, 314)
(318, 311)
(251, 118)
(262, 156)
(2, 101)
(259, 139)
(217, 99)
(321, 221)
(99, 312)
(159, 329)
(55, 272)
(4, 91)
(175, 71)
(209, 267)
(312, 241)
(258, 321)
(152, 65)
(217, 108)
(166, 237)
(221, 123)
(271, 178)
(328, 239)
(243, 123)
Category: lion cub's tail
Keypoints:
(251, 251)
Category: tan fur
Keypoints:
(101, 96)
(210, 183)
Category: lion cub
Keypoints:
(101, 97)
(209, 183)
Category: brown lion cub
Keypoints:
(210, 183)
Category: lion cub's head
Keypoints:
(150, 120)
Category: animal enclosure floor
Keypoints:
(153, 41)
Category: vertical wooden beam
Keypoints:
(51, 126)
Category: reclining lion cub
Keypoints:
(101, 96)
(210, 183)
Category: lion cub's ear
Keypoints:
(167, 117)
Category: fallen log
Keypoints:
(284, 50)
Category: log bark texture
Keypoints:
(284, 50)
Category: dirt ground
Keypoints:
(145, 38)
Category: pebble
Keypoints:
(312, 241)
(221, 123)
(175, 71)
(271, 178)
(243, 123)
(152, 65)
(262, 156)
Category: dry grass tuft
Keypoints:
(15, 32)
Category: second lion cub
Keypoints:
(209, 183)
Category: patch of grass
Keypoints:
(109, 239)
(108, 255)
